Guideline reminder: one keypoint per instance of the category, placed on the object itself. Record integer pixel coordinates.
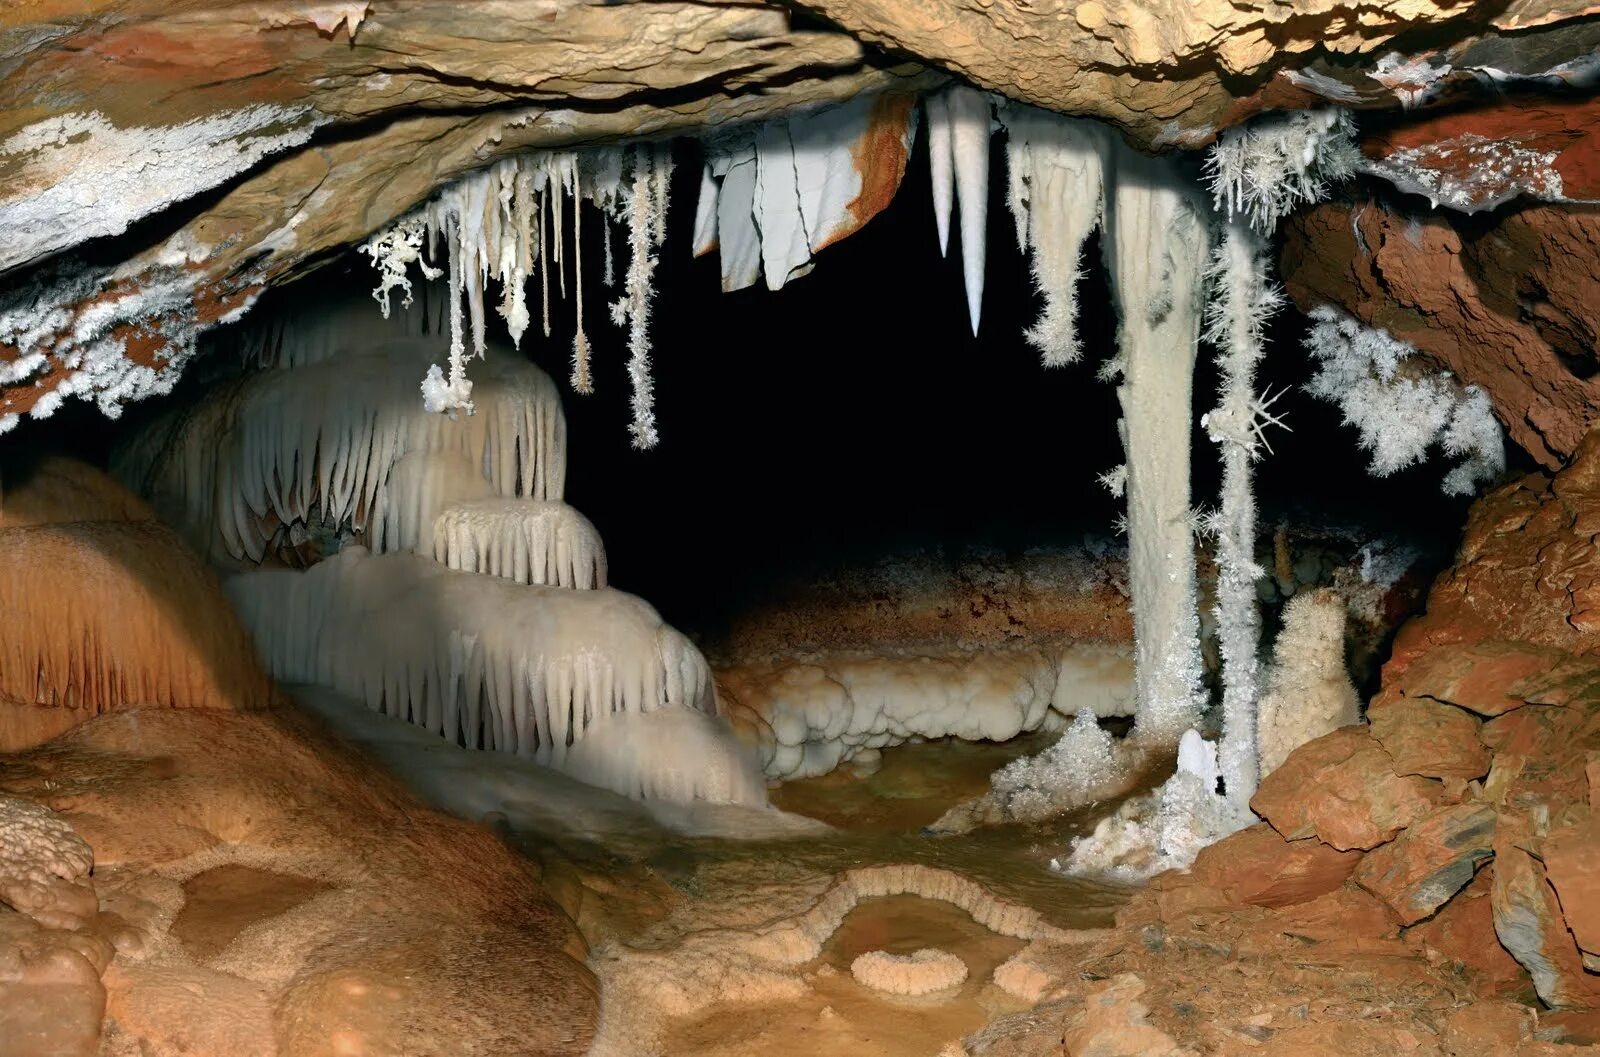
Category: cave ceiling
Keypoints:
(188, 154)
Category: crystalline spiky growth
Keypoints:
(1056, 172)
(1399, 406)
(315, 445)
(1262, 170)
(529, 541)
(1243, 300)
(479, 660)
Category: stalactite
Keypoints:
(1056, 176)
(581, 381)
(651, 169)
(970, 129)
(941, 166)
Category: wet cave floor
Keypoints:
(651, 892)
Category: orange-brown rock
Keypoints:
(1257, 866)
(1572, 862)
(1342, 788)
(56, 488)
(1462, 935)
(1511, 306)
(1431, 861)
(345, 916)
(101, 615)
(1487, 1028)
(51, 997)
(1430, 739)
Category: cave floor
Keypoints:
(662, 893)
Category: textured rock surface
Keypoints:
(1342, 788)
(1177, 72)
(1431, 861)
(1258, 867)
(1431, 739)
(1511, 304)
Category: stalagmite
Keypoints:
(1156, 252)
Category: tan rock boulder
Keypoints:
(1257, 866)
(1431, 861)
(1343, 789)
(1429, 739)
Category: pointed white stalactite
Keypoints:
(970, 129)
(1056, 190)
(941, 166)
(1243, 300)
(1156, 250)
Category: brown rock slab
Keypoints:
(1572, 862)
(1431, 861)
(1527, 918)
(1481, 678)
(1430, 739)
(1342, 788)
(1257, 866)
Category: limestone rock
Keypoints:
(44, 865)
(1430, 862)
(1429, 739)
(1258, 867)
(1342, 788)
(1176, 73)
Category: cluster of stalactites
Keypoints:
(479, 660)
(314, 446)
(509, 223)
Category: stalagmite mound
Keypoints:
(97, 616)
(56, 488)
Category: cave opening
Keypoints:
(600, 654)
